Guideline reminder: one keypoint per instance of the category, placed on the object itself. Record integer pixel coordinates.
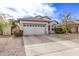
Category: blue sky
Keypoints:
(20, 8)
(63, 7)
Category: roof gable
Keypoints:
(37, 18)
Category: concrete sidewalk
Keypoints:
(68, 52)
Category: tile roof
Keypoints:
(37, 18)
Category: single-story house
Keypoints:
(36, 25)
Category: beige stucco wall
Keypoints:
(27, 22)
(7, 31)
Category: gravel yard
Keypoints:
(70, 36)
(11, 46)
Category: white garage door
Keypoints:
(33, 29)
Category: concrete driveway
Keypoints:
(50, 45)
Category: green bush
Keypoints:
(19, 34)
(59, 31)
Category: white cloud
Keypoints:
(24, 8)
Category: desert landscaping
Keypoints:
(37, 45)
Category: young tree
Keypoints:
(65, 21)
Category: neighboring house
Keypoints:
(75, 27)
(35, 25)
(74, 23)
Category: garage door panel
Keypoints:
(34, 30)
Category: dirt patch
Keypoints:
(11, 46)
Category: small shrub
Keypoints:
(59, 31)
(19, 34)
